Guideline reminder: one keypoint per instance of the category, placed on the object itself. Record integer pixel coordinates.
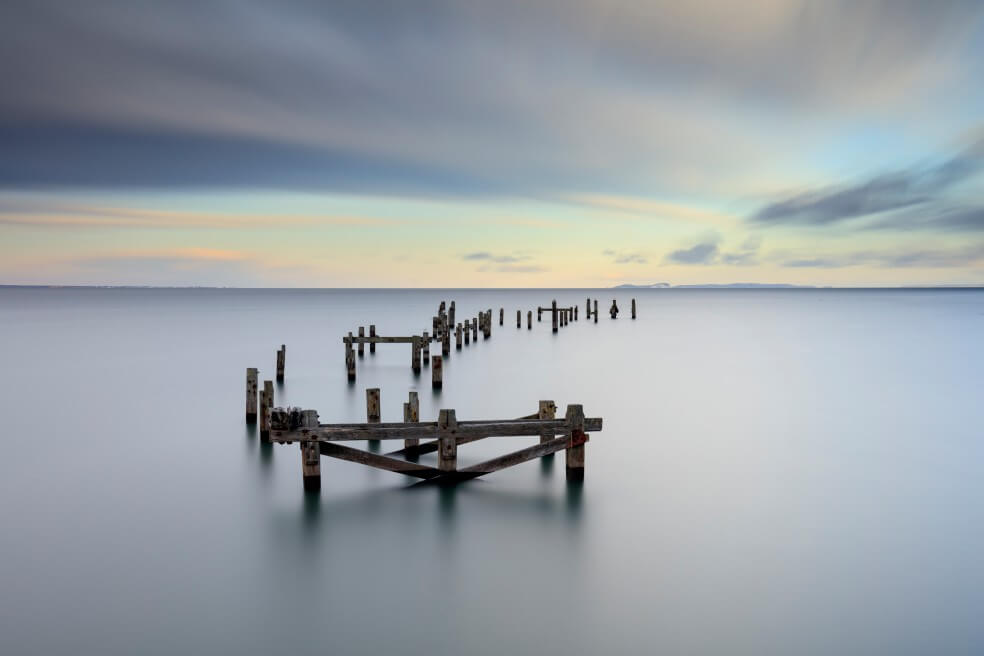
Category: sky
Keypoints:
(528, 143)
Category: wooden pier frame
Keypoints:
(444, 436)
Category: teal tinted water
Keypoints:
(781, 471)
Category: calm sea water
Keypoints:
(780, 472)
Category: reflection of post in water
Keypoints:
(575, 489)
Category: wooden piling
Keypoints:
(547, 410)
(437, 372)
(529, 320)
(372, 335)
(310, 454)
(451, 314)
(362, 345)
(426, 342)
(587, 309)
(447, 452)
(372, 405)
(251, 375)
(596, 310)
(467, 332)
(553, 314)
(475, 329)
(411, 415)
(519, 318)
(350, 358)
(575, 313)
(633, 308)
(575, 443)
(281, 362)
(415, 354)
(539, 314)
(266, 403)
(457, 337)
(445, 343)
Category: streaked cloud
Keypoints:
(485, 255)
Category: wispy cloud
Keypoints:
(491, 257)
(887, 192)
(619, 257)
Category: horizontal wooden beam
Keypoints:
(379, 461)
(428, 430)
(376, 340)
(508, 460)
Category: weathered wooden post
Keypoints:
(411, 414)
(447, 452)
(502, 314)
(415, 354)
(266, 404)
(372, 405)
(633, 308)
(519, 319)
(596, 310)
(372, 337)
(451, 314)
(251, 374)
(575, 442)
(281, 362)
(529, 320)
(548, 410)
(362, 344)
(488, 323)
(441, 307)
(457, 337)
(445, 343)
(437, 372)
(436, 325)
(539, 313)
(467, 333)
(587, 309)
(350, 358)
(575, 313)
(427, 348)
(475, 329)
(553, 313)
(310, 454)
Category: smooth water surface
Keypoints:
(780, 472)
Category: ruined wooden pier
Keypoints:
(288, 425)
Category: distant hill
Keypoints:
(730, 285)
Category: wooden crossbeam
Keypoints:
(508, 460)
(379, 461)
(427, 430)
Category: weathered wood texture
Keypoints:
(372, 337)
(373, 413)
(415, 354)
(266, 404)
(502, 315)
(310, 455)
(252, 374)
(350, 359)
(595, 312)
(529, 320)
(633, 309)
(553, 315)
(447, 451)
(437, 372)
(422, 430)
(281, 362)
(425, 341)
(576, 439)
(411, 415)
(362, 341)
(548, 410)
(376, 460)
